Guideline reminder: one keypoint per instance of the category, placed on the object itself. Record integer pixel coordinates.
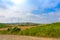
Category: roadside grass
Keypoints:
(48, 30)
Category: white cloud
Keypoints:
(22, 13)
(16, 12)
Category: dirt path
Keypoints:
(16, 37)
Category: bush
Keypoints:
(15, 29)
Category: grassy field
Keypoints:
(47, 30)
(3, 25)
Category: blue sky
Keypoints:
(36, 11)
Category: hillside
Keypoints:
(4, 25)
(48, 30)
(44, 30)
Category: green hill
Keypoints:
(48, 30)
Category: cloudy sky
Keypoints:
(36, 11)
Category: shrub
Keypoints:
(16, 29)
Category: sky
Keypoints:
(35, 11)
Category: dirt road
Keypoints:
(17, 37)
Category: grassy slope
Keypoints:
(49, 30)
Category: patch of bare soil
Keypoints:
(18, 37)
(1, 29)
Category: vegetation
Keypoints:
(3, 25)
(28, 24)
(14, 30)
(47, 30)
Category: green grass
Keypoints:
(3, 25)
(47, 30)
(14, 30)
